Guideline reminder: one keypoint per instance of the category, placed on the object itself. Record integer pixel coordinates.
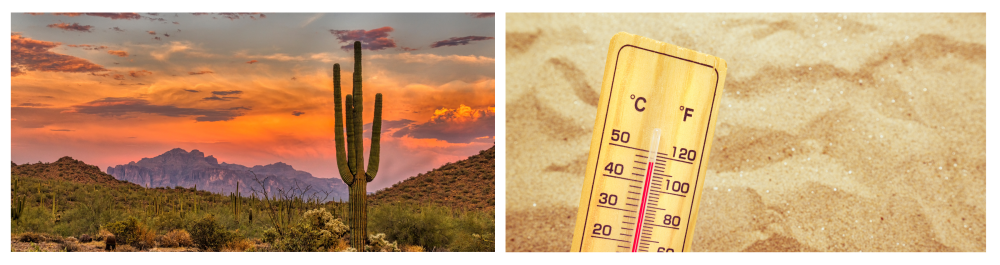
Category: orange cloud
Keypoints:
(151, 32)
(460, 125)
(118, 77)
(71, 27)
(201, 72)
(118, 53)
(68, 14)
(33, 55)
(139, 73)
(252, 61)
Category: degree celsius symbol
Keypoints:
(643, 99)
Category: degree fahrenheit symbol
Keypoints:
(640, 109)
(688, 112)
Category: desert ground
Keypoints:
(837, 132)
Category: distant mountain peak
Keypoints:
(178, 167)
(276, 166)
(176, 151)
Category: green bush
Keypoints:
(126, 232)
(209, 235)
(318, 231)
(428, 226)
(377, 243)
(169, 221)
(474, 233)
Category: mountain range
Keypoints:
(179, 167)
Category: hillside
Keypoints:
(66, 168)
(178, 167)
(466, 184)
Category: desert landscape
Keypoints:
(837, 132)
(288, 151)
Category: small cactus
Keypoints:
(16, 207)
(235, 197)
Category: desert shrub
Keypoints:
(207, 234)
(31, 237)
(474, 233)
(125, 231)
(170, 221)
(162, 242)
(317, 231)
(239, 245)
(35, 219)
(145, 238)
(377, 243)
(69, 246)
(103, 234)
(428, 226)
(270, 235)
(125, 248)
(178, 238)
(413, 249)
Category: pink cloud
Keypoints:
(376, 39)
(34, 55)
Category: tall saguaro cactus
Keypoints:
(351, 162)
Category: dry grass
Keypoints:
(341, 246)
(239, 245)
(103, 234)
(176, 238)
(125, 248)
(413, 249)
(145, 238)
(31, 237)
(69, 246)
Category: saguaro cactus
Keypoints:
(351, 162)
(17, 206)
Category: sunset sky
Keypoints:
(251, 89)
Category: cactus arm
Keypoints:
(351, 154)
(373, 155)
(358, 109)
(338, 125)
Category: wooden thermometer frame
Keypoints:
(661, 77)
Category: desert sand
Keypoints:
(837, 132)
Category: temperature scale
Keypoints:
(649, 153)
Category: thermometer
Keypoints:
(649, 152)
